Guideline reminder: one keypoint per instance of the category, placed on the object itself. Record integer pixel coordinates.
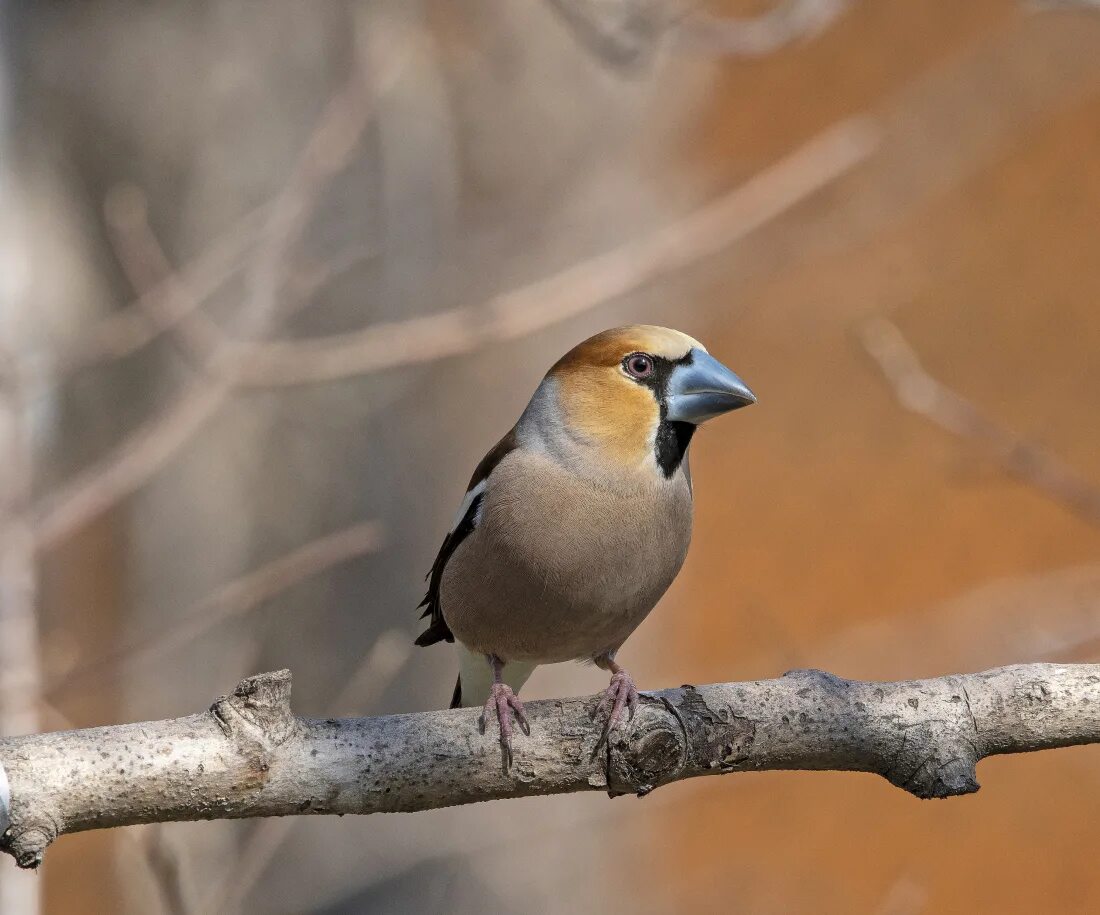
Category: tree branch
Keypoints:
(249, 756)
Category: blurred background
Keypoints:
(274, 275)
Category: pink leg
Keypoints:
(505, 702)
(619, 693)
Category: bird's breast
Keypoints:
(560, 566)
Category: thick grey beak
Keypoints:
(704, 388)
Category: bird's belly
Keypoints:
(566, 587)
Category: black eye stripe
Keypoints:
(657, 378)
(672, 438)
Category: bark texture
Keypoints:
(250, 756)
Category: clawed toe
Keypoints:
(506, 704)
(621, 693)
(521, 714)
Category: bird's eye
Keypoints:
(640, 365)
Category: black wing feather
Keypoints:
(438, 630)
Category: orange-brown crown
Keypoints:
(608, 347)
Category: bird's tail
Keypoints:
(456, 699)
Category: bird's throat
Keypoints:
(671, 445)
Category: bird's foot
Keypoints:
(620, 693)
(506, 703)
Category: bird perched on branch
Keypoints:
(577, 521)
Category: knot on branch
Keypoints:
(938, 751)
(26, 841)
(28, 846)
(932, 765)
(679, 733)
(257, 716)
(651, 751)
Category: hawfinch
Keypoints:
(578, 520)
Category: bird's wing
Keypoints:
(465, 521)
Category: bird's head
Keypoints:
(640, 391)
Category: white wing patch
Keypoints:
(467, 501)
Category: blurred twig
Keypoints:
(171, 300)
(166, 868)
(578, 288)
(1045, 6)
(136, 325)
(143, 452)
(165, 296)
(308, 279)
(20, 644)
(169, 303)
(234, 599)
(329, 150)
(920, 393)
(19, 671)
(626, 33)
(621, 33)
(787, 22)
(273, 226)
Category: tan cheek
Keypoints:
(613, 411)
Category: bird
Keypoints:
(577, 521)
